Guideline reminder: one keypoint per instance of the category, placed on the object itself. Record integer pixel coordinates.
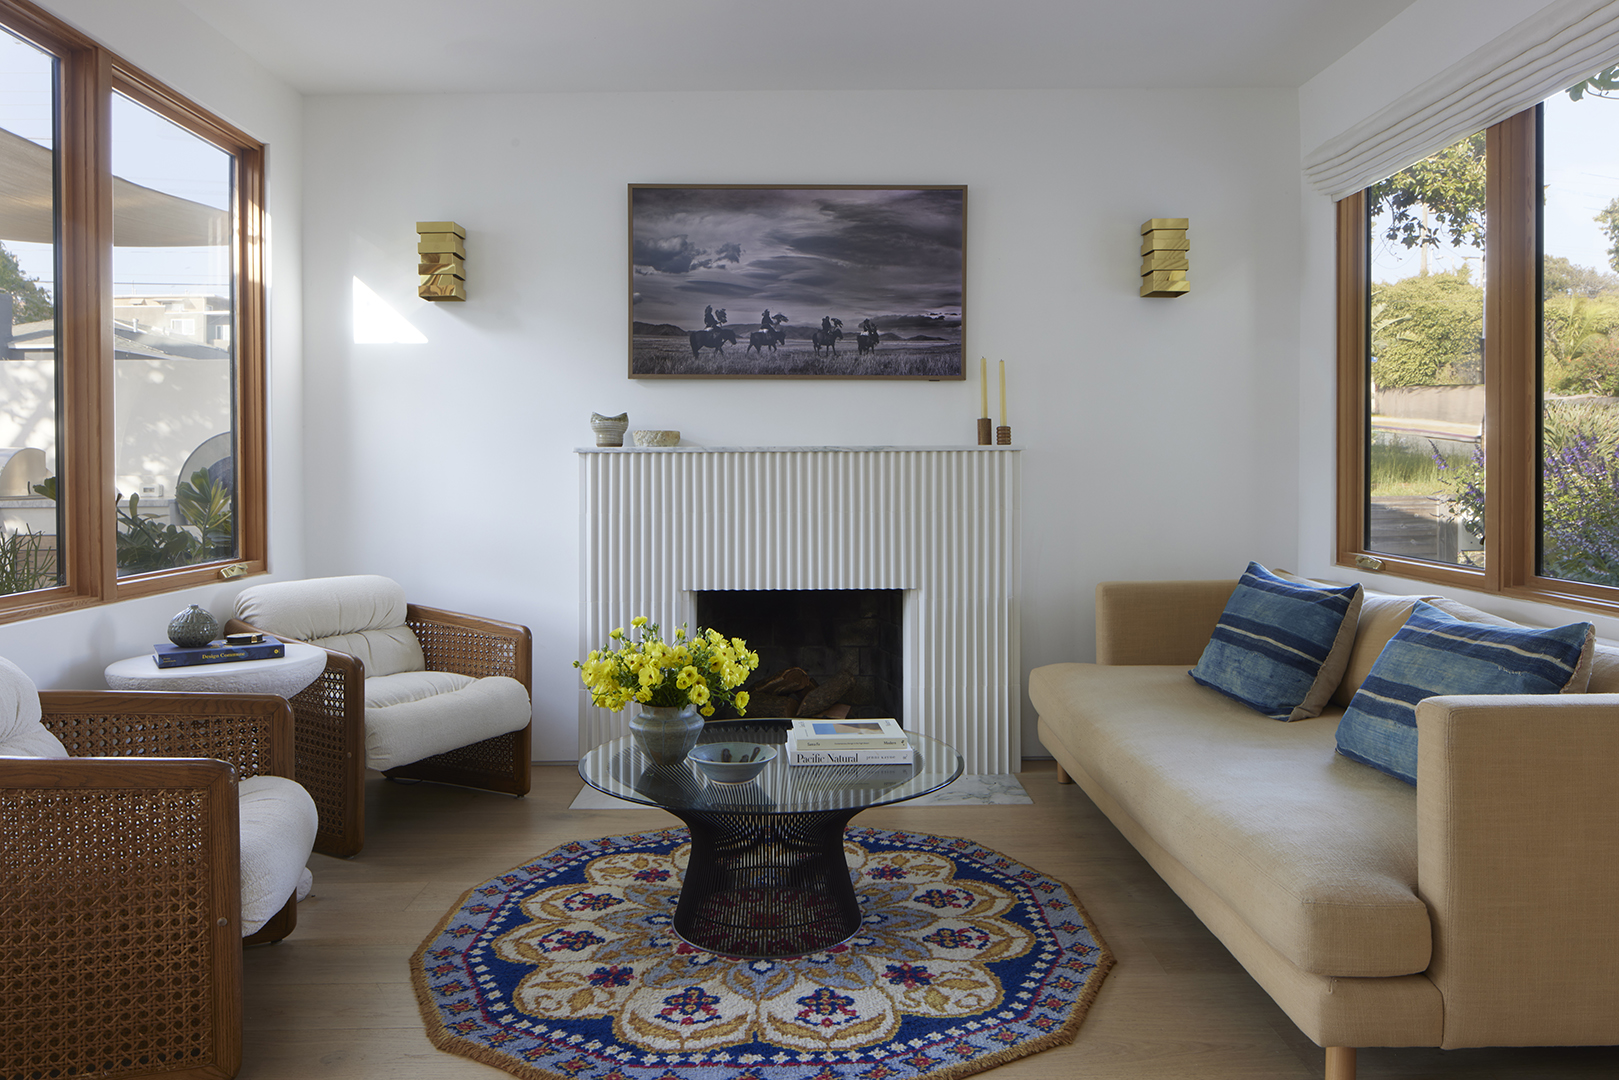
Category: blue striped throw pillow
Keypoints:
(1435, 654)
(1280, 647)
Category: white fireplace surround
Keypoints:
(940, 523)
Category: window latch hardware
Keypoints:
(1368, 562)
(234, 570)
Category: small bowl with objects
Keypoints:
(731, 762)
(656, 438)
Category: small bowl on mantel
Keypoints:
(656, 438)
(731, 762)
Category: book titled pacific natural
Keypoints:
(847, 742)
(167, 656)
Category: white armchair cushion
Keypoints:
(361, 614)
(278, 822)
(414, 715)
(21, 732)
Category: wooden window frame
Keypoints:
(89, 75)
(1512, 390)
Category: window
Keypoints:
(1478, 341)
(132, 372)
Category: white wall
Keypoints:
(1400, 56)
(168, 42)
(1160, 433)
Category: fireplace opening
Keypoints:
(822, 652)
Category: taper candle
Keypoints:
(983, 386)
(1003, 393)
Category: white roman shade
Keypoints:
(1558, 46)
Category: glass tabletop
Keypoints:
(620, 769)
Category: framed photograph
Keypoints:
(778, 282)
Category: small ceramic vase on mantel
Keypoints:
(666, 733)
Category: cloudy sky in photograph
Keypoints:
(803, 252)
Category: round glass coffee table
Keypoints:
(767, 877)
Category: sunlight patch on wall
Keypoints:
(376, 323)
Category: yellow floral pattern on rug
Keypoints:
(607, 948)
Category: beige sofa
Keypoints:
(1480, 908)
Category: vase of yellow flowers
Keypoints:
(673, 684)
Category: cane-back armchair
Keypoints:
(415, 692)
(134, 870)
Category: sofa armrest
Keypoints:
(472, 645)
(1518, 862)
(1157, 622)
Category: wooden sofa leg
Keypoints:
(1063, 777)
(1340, 1063)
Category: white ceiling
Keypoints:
(403, 46)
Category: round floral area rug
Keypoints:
(568, 967)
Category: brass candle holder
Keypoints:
(1003, 435)
(983, 431)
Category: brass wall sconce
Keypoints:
(441, 258)
(1164, 251)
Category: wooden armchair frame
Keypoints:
(329, 722)
(120, 884)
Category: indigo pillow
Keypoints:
(1280, 646)
(1435, 654)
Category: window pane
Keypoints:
(1579, 510)
(174, 341)
(29, 397)
(1425, 469)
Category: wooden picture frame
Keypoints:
(764, 281)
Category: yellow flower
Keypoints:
(651, 678)
(698, 694)
(742, 701)
(680, 635)
(707, 710)
(739, 645)
(644, 696)
(617, 633)
(638, 621)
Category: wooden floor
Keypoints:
(334, 999)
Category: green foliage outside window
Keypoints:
(29, 302)
(1428, 330)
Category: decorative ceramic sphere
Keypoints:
(193, 628)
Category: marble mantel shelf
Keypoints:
(789, 449)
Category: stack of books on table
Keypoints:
(847, 742)
(217, 652)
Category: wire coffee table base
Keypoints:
(766, 886)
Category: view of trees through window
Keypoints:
(1426, 315)
(174, 335)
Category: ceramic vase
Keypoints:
(609, 429)
(193, 628)
(665, 733)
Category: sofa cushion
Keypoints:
(414, 715)
(277, 820)
(1435, 653)
(1316, 854)
(22, 734)
(361, 614)
(1280, 646)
